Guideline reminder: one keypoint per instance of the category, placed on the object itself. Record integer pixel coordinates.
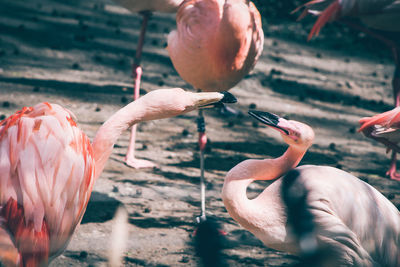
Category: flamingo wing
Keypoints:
(46, 176)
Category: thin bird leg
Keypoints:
(201, 129)
(392, 172)
(137, 71)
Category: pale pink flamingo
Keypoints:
(380, 19)
(352, 218)
(216, 43)
(385, 128)
(48, 167)
(145, 8)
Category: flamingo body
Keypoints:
(48, 167)
(166, 6)
(352, 218)
(46, 176)
(217, 42)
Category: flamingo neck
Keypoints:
(109, 132)
(234, 191)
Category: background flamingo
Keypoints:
(215, 45)
(48, 167)
(379, 19)
(358, 224)
(384, 128)
(145, 8)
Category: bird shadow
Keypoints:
(100, 208)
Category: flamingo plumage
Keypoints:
(217, 42)
(48, 167)
(145, 8)
(379, 19)
(385, 128)
(352, 218)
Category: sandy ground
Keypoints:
(78, 54)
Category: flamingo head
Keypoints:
(163, 103)
(294, 133)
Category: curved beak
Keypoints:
(213, 99)
(270, 119)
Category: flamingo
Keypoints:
(380, 19)
(352, 218)
(48, 167)
(216, 43)
(384, 128)
(145, 8)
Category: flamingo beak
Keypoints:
(270, 119)
(214, 99)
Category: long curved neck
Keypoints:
(109, 132)
(234, 191)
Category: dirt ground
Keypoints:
(79, 53)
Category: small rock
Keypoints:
(115, 189)
(6, 104)
(147, 210)
(124, 99)
(76, 66)
(160, 83)
(97, 109)
(332, 146)
(83, 254)
(185, 132)
(185, 259)
(2, 117)
(352, 130)
(231, 124)
(154, 42)
(255, 124)
(138, 192)
(252, 106)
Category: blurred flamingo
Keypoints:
(384, 128)
(217, 43)
(48, 167)
(145, 8)
(380, 19)
(359, 225)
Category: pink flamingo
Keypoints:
(217, 42)
(352, 218)
(48, 167)
(381, 19)
(384, 128)
(145, 8)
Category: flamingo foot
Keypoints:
(139, 163)
(392, 173)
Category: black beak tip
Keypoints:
(264, 116)
(228, 98)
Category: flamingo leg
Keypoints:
(130, 158)
(201, 128)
